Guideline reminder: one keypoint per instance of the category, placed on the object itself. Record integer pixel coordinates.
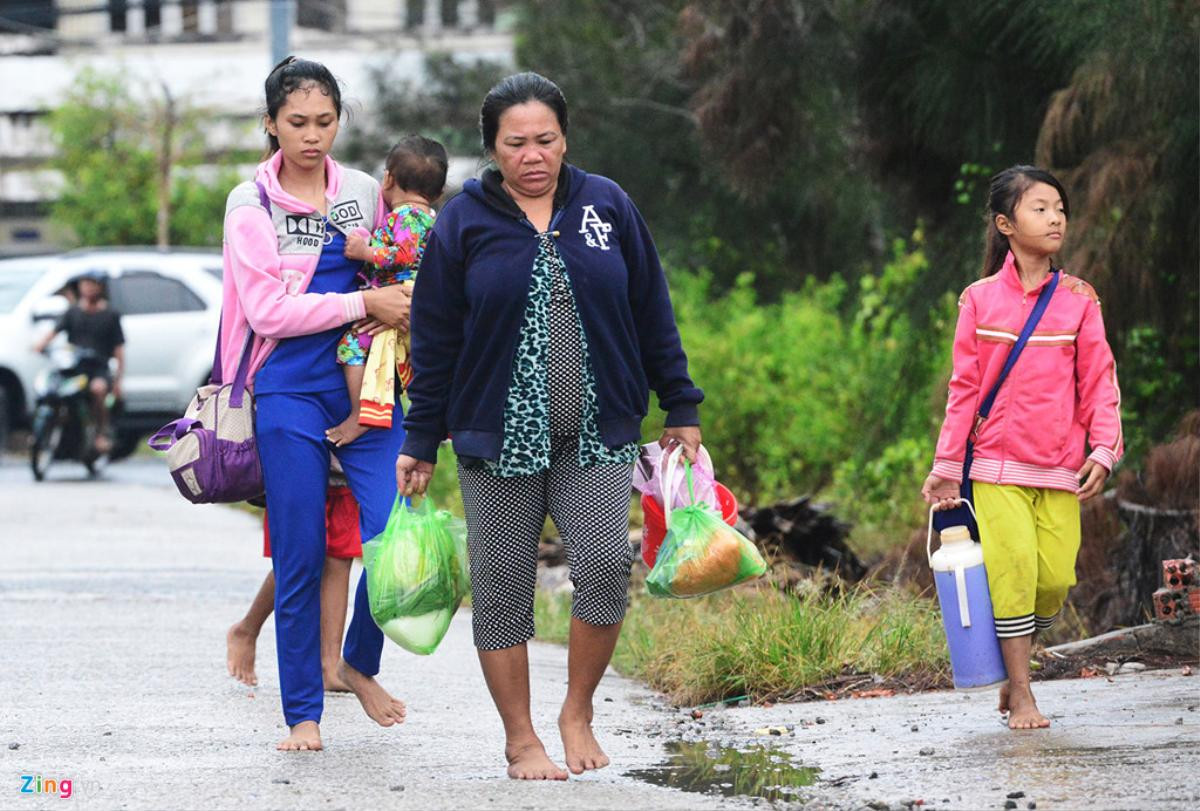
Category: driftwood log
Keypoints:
(1181, 639)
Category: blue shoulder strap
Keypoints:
(960, 515)
(1031, 323)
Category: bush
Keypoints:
(822, 391)
(772, 382)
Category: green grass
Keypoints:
(764, 643)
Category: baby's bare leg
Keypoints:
(348, 429)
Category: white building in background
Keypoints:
(212, 54)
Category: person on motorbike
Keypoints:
(94, 327)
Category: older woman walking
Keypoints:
(541, 319)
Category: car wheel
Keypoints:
(5, 419)
(124, 444)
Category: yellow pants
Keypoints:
(1030, 538)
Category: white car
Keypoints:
(169, 301)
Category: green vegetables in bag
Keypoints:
(417, 575)
(701, 553)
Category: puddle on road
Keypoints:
(757, 771)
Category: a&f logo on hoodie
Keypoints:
(595, 230)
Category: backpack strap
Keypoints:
(262, 196)
(216, 378)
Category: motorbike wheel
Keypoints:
(92, 459)
(47, 436)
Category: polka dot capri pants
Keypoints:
(505, 515)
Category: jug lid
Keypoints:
(958, 551)
(955, 534)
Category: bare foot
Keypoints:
(1024, 713)
(333, 682)
(529, 761)
(346, 431)
(1004, 698)
(579, 744)
(305, 737)
(103, 444)
(239, 654)
(376, 702)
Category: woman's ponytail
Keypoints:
(995, 247)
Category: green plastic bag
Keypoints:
(701, 553)
(417, 575)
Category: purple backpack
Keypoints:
(211, 450)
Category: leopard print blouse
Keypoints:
(553, 389)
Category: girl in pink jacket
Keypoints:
(288, 279)
(1029, 471)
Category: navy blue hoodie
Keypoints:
(469, 305)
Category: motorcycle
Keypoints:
(63, 425)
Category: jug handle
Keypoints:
(929, 533)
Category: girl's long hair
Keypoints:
(1005, 192)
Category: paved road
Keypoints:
(144, 470)
(114, 599)
(1132, 741)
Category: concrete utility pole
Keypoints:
(282, 15)
(166, 158)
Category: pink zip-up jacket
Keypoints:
(270, 258)
(1061, 392)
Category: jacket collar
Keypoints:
(489, 190)
(267, 174)
(1012, 277)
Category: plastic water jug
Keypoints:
(966, 604)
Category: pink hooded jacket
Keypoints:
(269, 260)
(1061, 392)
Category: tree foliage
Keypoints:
(443, 105)
(1123, 136)
(641, 87)
(791, 140)
(108, 149)
(109, 193)
(749, 63)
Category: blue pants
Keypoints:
(290, 430)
